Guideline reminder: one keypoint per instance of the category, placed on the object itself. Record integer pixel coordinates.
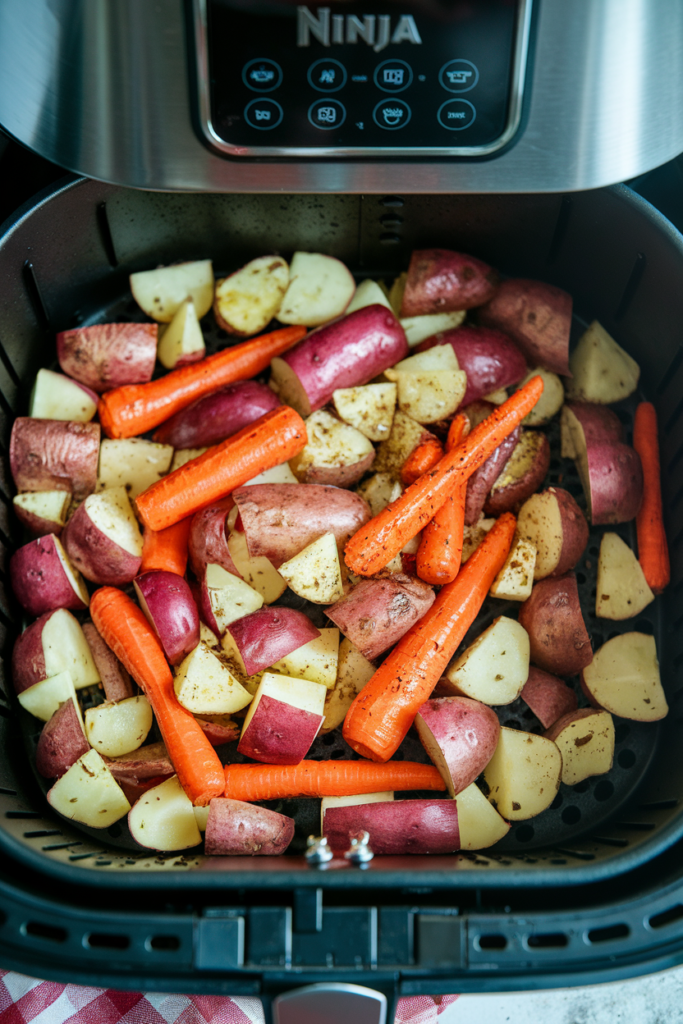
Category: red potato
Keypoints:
(280, 520)
(548, 697)
(42, 512)
(141, 765)
(57, 397)
(460, 735)
(246, 301)
(217, 416)
(170, 608)
(283, 719)
(269, 634)
(343, 354)
(442, 281)
(208, 542)
(583, 424)
(51, 645)
(43, 579)
(490, 358)
(537, 316)
(396, 826)
(335, 453)
(238, 829)
(103, 540)
(378, 611)
(482, 480)
(115, 679)
(556, 526)
(224, 597)
(615, 483)
(522, 474)
(586, 741)
(107, 356)
(219, 729)
(552, 617)
(54, 455)
(163, 818)
(61, 742)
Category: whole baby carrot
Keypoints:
(384, 710)
(272, 439)
(653, 551)
(440, 551)
(326, 778)
(380, 539)
(125, 629)
(166, 549)
(136, 408)
(421, 460)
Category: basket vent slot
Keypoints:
(100, 940)
(23, 814)
(105, 234)
(666, 916)
(609, 934)
(553, 940)
(50, 932)
(492, 942)
(163, 943)
(631, 288)
(672, 369)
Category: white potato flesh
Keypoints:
(182, 341)
(133, 464)
(368, 293)
(259, 572)
(495, 667)
(430, 395)
(515, 580)
(418, 328)
(587, 747)
(602, 371)
(473, 536)
(441, 357)
(623, 678)
(65, 649)
(205, 686)
(112, 513)
(479, 823)
(246, 301)
(550, 402)
(523, 775)
(73, 575)
(315, 573)
(298, 693)
(183, 455)
(320, 289)
(379, 491)
(49, 505)
(163, 818)
(622, 589)
(231, 598)
(201, 815)
(496, 397)
(89, 793)
(396, 291)
(281, 474)
(370, 408)
(316, 661)
(540, 522)
(331, 444)
(351, 801)
(160, 292)
(44, 698)
(208, 636)
(57, 397)
(405, 435)
(118, 728)
(353, 672)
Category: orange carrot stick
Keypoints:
(326, 778)
(421, 460)
(384, 710)
(379, 540)
(272, 439)
(653, 551)
(136, 408)
(125, 629)
(166, 549)
(440, 551)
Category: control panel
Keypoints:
(441, 77)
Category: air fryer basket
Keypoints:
(65, 261)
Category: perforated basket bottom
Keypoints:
(577, 811)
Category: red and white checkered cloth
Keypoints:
(25, 1000)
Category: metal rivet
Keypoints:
(318, 853)
(359, 853)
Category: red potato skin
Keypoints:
(54, 455)
(61, 742)
(379, 611)
(279, 733)
(173, 611)
(216, 733)
(346, 353)
(599, 423)
(559, 642)
(574, 533)
(115, 679)
(205, 609)
(466, 732)
(397, 826)
(510, 498)
(95, 555)
(28, 659)
(483, 479)
(208, 542)
(537, 316)
(217, 416)
(148, 762)
(490, 358)
(280, 520)
(338, 476)
(36, 525)
(107, 356)
(443, 281)
(269, 634)
(548, 697)
(38, 579)
(615, 477)
(238, 829)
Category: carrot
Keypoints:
(125, 629)
(272, 439)
(166, 549)
(440, 550)
(136, 408)
(653, 552)
(421, 460)
(326, 778)
(380, 539)
(383, 711)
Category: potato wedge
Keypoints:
(315, 573)
(246, 301)
(602, 371)
(495, 667)
(335, 454)
(369, 408)
(586, 741)
(160, 292)
(353, 672)
(623, 678)
(523, 775)
(622, 589)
